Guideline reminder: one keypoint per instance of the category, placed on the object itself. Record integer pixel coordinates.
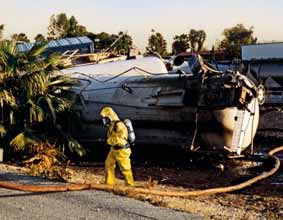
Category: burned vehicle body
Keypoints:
(208, 108)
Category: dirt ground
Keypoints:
(261, 201)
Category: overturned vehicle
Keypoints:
(204, 107)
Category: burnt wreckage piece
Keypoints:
(203, 107)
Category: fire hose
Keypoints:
(137, 190)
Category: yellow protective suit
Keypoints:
(117, 136)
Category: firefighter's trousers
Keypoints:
(122, 157)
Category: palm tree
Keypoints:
(32, 96)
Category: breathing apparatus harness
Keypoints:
(131, 134)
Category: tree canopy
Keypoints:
(104, 40)
(234, 38)
(124, 44)
(20, 37)
(75, 29)
(1, 31)
(157, 44)
(180, 44)
(40, 38)
(197, 39)
(60, 26)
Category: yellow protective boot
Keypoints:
(124, 162)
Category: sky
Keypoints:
(138, 17)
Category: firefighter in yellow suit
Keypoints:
(120, 151)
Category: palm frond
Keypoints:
(34, 66)
(2, 131)
(8, 47)
(37, 50)
(60, 104)
(8, 57)
(62, 88)
(7, 97)
(54, 61)
(36, 112)
(12, 117)
(22, 140)
(63, 81)
(75, 146)
(34, 84)
(3, 76)
(48, 102)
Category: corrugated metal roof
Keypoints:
(23, 47)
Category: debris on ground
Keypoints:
(262, 201)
